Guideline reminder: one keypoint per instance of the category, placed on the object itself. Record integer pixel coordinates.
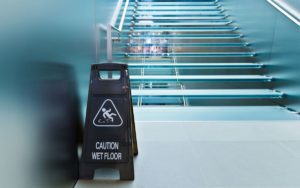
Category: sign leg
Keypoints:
(134, 139)
(127, 171)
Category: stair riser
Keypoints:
(176, 13)
(172, 3)
(160, 49)
(187, 59)
(184, 40)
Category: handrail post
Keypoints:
(97, 37)
(109, 43)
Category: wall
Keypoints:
(33, 32)
(276, 39)
(285, 59)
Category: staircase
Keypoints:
(180, 53)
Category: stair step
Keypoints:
(210, 93)
(174, 8)
(194, 65)
(178, 14)
(188, 44)
(185, 36)
(150, 13)
(183, 78)
(178, 21)
(179, 18)
(175, 3)
(145, 23)
(180, 29)
(219, 54)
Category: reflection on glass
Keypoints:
(149, 45)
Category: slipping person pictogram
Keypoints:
(108, 115)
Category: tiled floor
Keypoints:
(212, 154)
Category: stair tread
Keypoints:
(200, 78)
(256, 93)
(233, 44)
(171, 12)
(171, 3)
(185, 36)
(178, 29)
(191, 65)
(176, 8)
(180, 18)
(180, 23)
(189, 54)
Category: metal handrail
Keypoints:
(287, 10)
(123, 16)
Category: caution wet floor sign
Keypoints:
(109, 135)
